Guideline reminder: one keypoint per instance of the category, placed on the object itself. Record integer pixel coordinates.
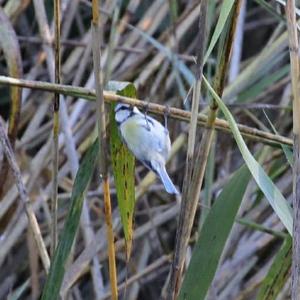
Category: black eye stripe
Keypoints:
(121, 108)
(124, 108)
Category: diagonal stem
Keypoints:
(24, 197)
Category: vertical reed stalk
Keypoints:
(193, 181)
(54, 233)
(294, 58)
(101, 121)
(182, 234)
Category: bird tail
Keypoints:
(166, 180)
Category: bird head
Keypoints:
(124, 111)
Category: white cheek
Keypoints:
(121, 116)
(118, 118)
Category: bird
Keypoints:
(147, 139)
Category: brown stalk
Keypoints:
(294, 58)
(197, 163)
(101, 121)
(55, 146)
(182, 241)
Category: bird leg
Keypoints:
(145, 114)
(166, 114)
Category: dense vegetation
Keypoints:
(231, 157)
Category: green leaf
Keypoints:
(278, 273)
(213, 236)
(123, 163)
(10, 46)
(57, 268)
(224, 13)
(271, 192)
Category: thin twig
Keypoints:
(175, 113)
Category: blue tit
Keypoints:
(147, 139)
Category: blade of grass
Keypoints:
(213, 235)
(224, 13)
(295, 76)
(271, 192)
(64, 247)
(11, 50)
(278, 274)
(123, 168)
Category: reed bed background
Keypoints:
(226, 73)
